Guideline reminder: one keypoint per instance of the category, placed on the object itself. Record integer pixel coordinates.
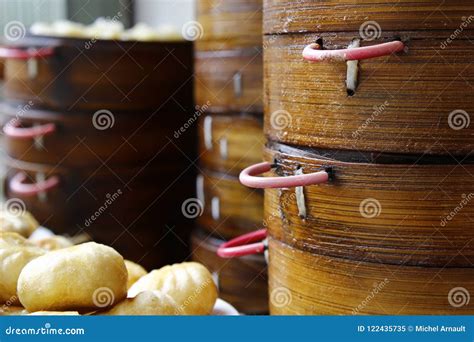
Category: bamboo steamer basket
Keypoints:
(229, 208)
(313, 284)
(242, 282)
(135, 209)
(78, 139)
(219, 20)
(80, 74)
(413, 101)
(229, 143)
(285, 16)
(363, 233)
(230, 80)
(402, 211)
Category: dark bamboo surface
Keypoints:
(81, 139)
(136, 209)
(93, 75)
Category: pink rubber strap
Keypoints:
(17, 184)
(313, 53)
(25, 53)
(240, 246)
(13, 130)
(247, 178)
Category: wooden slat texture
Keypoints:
(403, 103)
(229, 24)
(230, 80)
(109, 75)
(77, 142)
(229, 143)
(230, 209)
(283, 16)
(302, 283)
(405, 214)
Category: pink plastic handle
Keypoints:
(25, 53)
(13, 130)
(240, 245)
(247, 178)
(313, 52)
(17, 184)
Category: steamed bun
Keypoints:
(15, 253)
(81, 278)
(190, 284)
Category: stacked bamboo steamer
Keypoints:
(228, 84)
(88, 143)
(389, 229)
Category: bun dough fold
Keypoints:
(190, 284)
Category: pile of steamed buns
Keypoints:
(107, 29)
(53, 276)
